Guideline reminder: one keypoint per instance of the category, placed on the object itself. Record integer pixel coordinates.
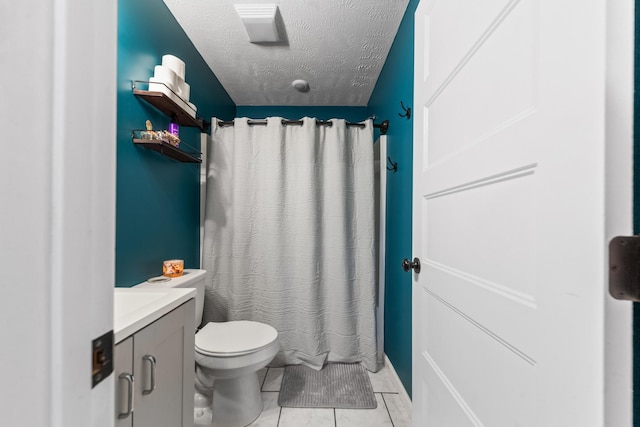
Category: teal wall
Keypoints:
(351, 114)
(157, 198)
(394, 85)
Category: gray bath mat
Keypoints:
(337, 385)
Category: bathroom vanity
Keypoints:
(153, 357)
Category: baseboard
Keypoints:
(404, 396)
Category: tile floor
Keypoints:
(389, 413)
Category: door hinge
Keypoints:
(624, 268)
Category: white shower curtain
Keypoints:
(289, 236)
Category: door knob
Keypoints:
(407, 265)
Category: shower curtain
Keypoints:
(289, 236)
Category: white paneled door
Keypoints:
(522, 127)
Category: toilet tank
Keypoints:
(191, 278)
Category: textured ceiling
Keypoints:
(338, 46)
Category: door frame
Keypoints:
(59, 116)
(83, 169)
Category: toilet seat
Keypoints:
(236, 338)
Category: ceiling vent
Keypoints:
(260, 22)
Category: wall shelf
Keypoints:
(169, 103)
(163, 102)
(163, 147)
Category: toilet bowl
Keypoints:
(228, 356)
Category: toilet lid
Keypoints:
(234, 338)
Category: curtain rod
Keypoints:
(384, 126)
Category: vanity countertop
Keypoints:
(135, 308)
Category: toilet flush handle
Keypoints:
(152, 376)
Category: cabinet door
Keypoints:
(163, 362)
(123, 370)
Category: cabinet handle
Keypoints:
(129, 379)
(152, 360)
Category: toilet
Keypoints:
(228, 357)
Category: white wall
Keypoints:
(57, 214)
